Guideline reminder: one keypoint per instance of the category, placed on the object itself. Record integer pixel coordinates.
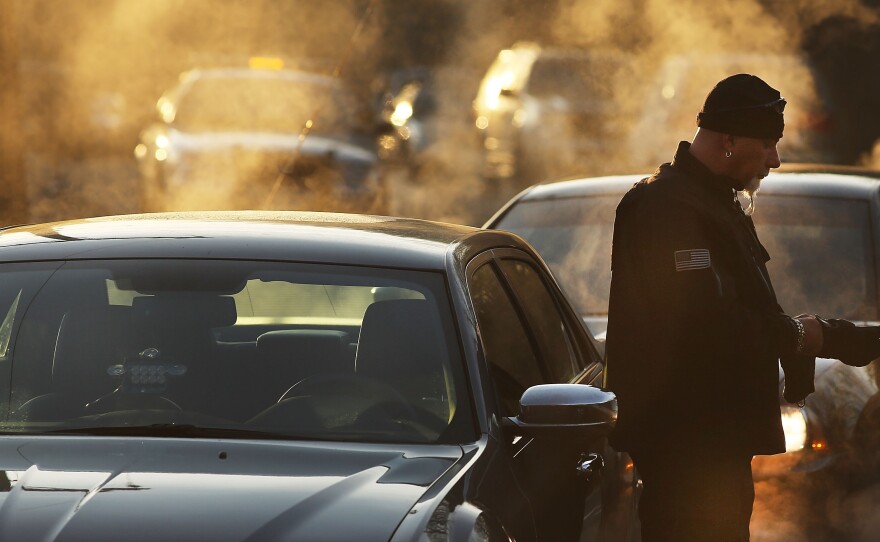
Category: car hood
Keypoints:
(188, 143)
(88, 488)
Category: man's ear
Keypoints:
(728, 142)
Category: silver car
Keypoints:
(257, 137)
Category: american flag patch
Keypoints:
(687, 260)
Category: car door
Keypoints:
(529, 339)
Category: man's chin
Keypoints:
(752, 186)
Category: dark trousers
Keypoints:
(695, 496)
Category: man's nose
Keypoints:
(773, 159)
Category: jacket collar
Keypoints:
(718, 186)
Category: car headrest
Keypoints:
(398, 338)
(292, 345)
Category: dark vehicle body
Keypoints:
(259, 138)
(821, 226)
(219, 376)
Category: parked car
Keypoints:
(246, 375)
(255, 138)
(548, 112)
(820, 226)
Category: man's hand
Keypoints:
(851, 344)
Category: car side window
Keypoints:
(544, 318)
(513, 364)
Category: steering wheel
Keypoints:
(119, 400)
(374, 391)
(372, 404)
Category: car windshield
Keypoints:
(821, 259)
(264, 102)
(229, 348)
(820, 250)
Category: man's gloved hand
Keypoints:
(853, 345)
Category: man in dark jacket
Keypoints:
(695, 333)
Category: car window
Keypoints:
(513, 364)
(573, 237)
(17, 287)
(294, 350)
(6, 325)
(821, 257)
(546, 322)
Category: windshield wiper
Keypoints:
(172, 430)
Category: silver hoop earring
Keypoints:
(728, 154)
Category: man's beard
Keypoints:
(751, 190)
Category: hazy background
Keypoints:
(80, 78)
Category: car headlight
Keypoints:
(794, 423)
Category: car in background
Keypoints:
(247, 375)
(551, 112)
(820, 226)
(260, 137)
(405, 110)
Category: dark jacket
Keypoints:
(694, 329)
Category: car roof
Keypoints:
(805, 179)
(267, 235)
(256, 73)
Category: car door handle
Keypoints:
(589, 464)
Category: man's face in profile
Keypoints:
(752, 161)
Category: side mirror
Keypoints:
(508, 92)
(567, 411)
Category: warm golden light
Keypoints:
(402, 112)
(495, 85)
(794, 424)
(166, 110)
(266, 63)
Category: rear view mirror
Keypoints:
(179, 276)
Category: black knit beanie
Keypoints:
(743, 105)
